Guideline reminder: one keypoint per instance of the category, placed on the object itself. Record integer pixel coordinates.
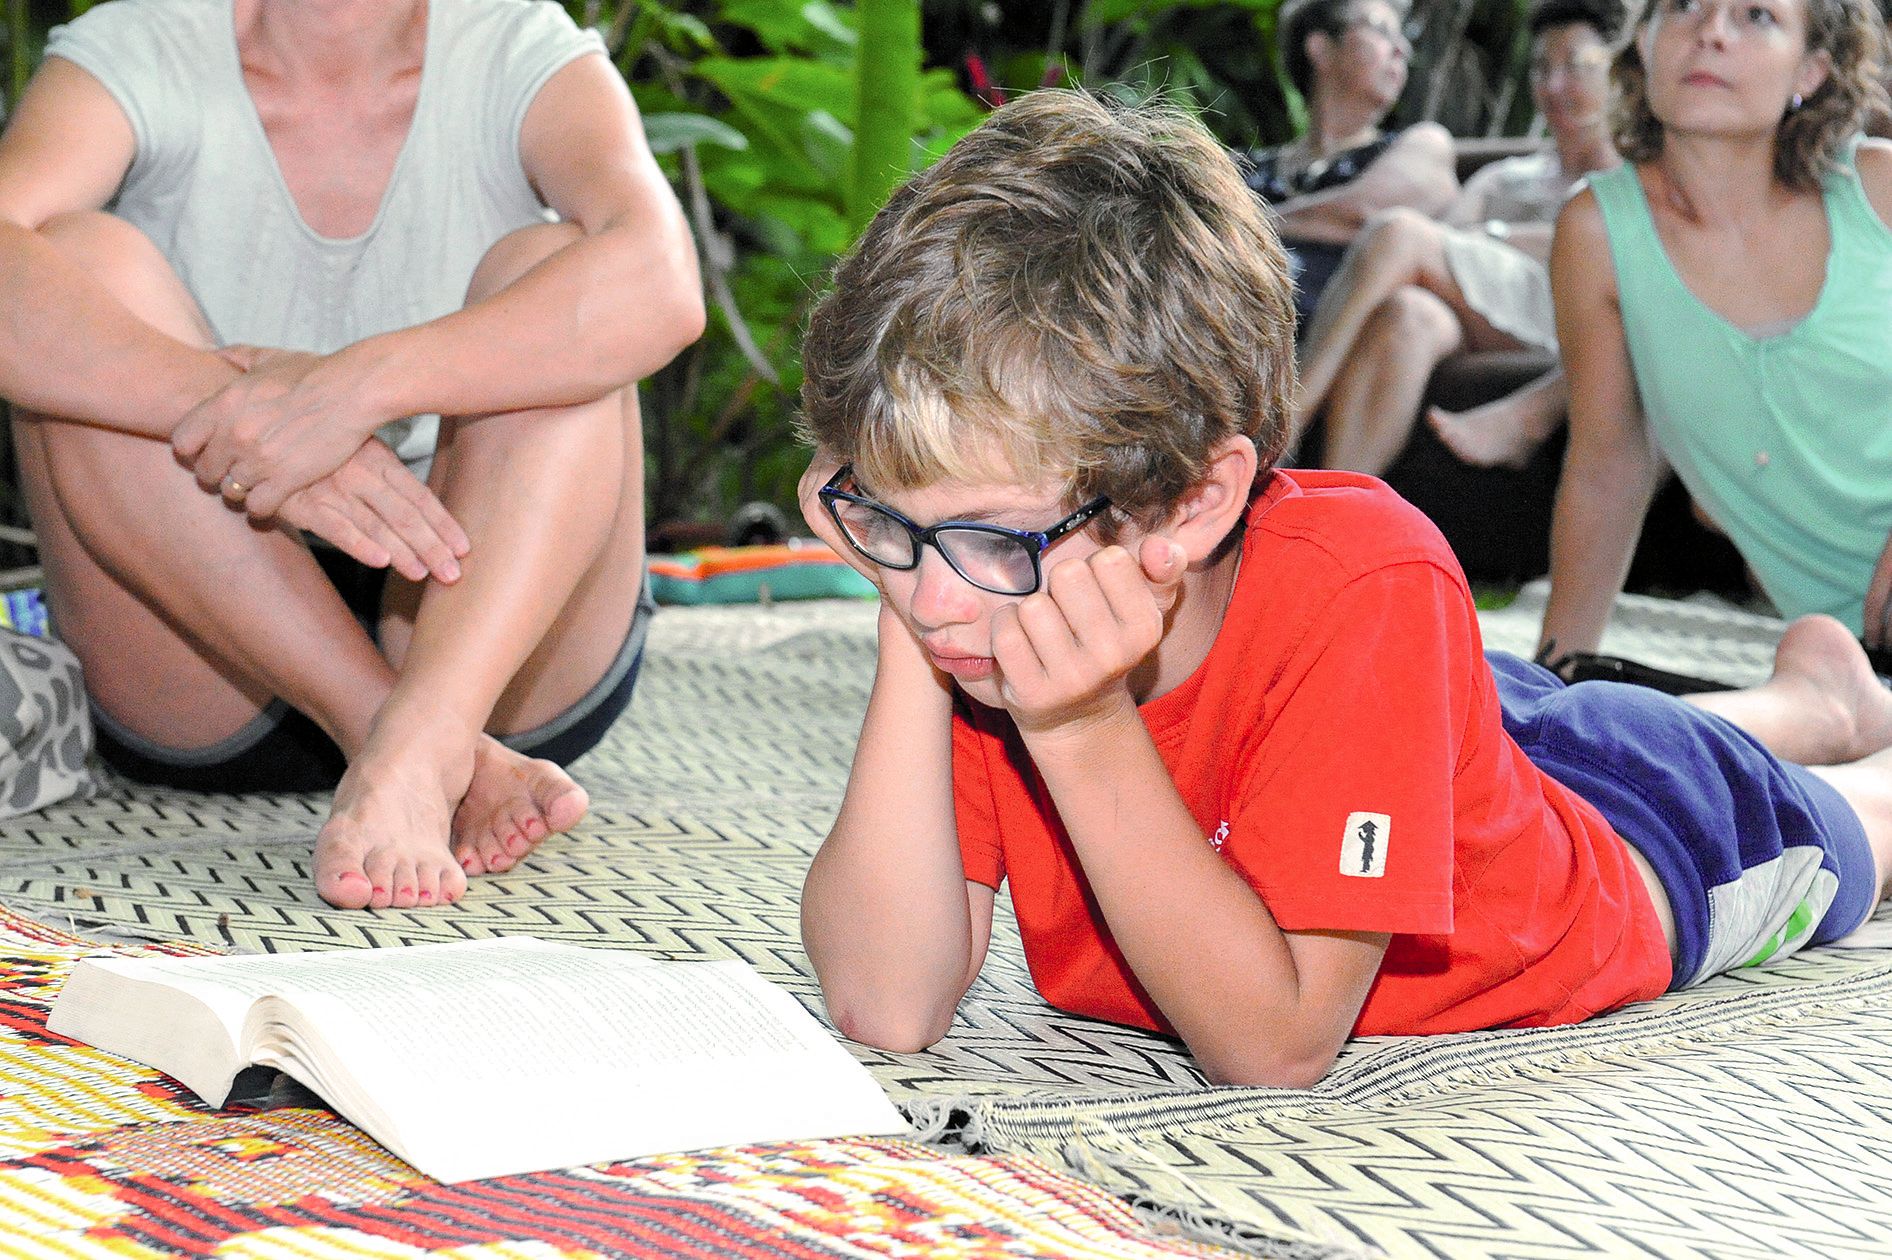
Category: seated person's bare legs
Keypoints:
(185, 642)
(1397, 249)
(1505, 433)
(550, 499)
(1383, 325)
(1375, 399)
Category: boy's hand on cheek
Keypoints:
(820, 469)
(1064, 654)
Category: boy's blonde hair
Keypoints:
(1081, 294)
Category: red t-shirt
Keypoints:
(1341, 747)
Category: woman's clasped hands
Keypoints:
(290, 439)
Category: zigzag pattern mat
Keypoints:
(711, 795)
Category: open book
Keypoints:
(479, 1059)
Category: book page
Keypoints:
(186, 1016)
(479, 1059)
(567, 1057)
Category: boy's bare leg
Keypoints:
(1823, 706)
(1507, 432)
(548, 498)
(1825, 709)
(1867, 786)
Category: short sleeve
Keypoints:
(975, 805)
(1344, 823)
(138, 51)
(540, 40)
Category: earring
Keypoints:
(1795, 103)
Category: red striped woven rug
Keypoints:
(102, 1157)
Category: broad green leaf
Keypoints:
(794, 83)
(686, 32)
(808, 26)
(669, 132)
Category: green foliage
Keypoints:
(793, 80)
(783, 124)
(886, 79)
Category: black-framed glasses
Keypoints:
(991, 557)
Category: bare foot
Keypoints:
(385, 842)
(513, 803)
(1491, 436)
(1820, 659)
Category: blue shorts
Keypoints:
(1760, 857)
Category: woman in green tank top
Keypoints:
(1743, 334)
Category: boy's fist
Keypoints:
(1065, 653)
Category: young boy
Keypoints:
(1227, 729)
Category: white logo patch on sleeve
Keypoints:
(1363, 845)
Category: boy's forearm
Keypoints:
(1199, 939)
(884, 910)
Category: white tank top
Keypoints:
(205, 187)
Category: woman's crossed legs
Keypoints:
(189, 619)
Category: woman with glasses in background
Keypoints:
(1413, 290)
(1348, 59)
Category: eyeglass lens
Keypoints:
(1588, 61)
(1000, 563)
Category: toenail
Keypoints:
(378, 889)
(426, 896)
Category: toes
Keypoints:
(452, 884)
(469, 859)
(498, 848)
(561, 801)
(403, 884)
(339, 877)
(379, 868)
(345, 890)
(527, 829)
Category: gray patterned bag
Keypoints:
(45, 731)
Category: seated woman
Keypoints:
(1412, 290)
(227, 295)
(1348, 59)
(1742, 335)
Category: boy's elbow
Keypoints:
(1269, 1067)
(879, 1025)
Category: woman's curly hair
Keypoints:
(1809, 139)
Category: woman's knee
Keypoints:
(1400, 232)
(1412, 316)
(516, 253)
(132, 269)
